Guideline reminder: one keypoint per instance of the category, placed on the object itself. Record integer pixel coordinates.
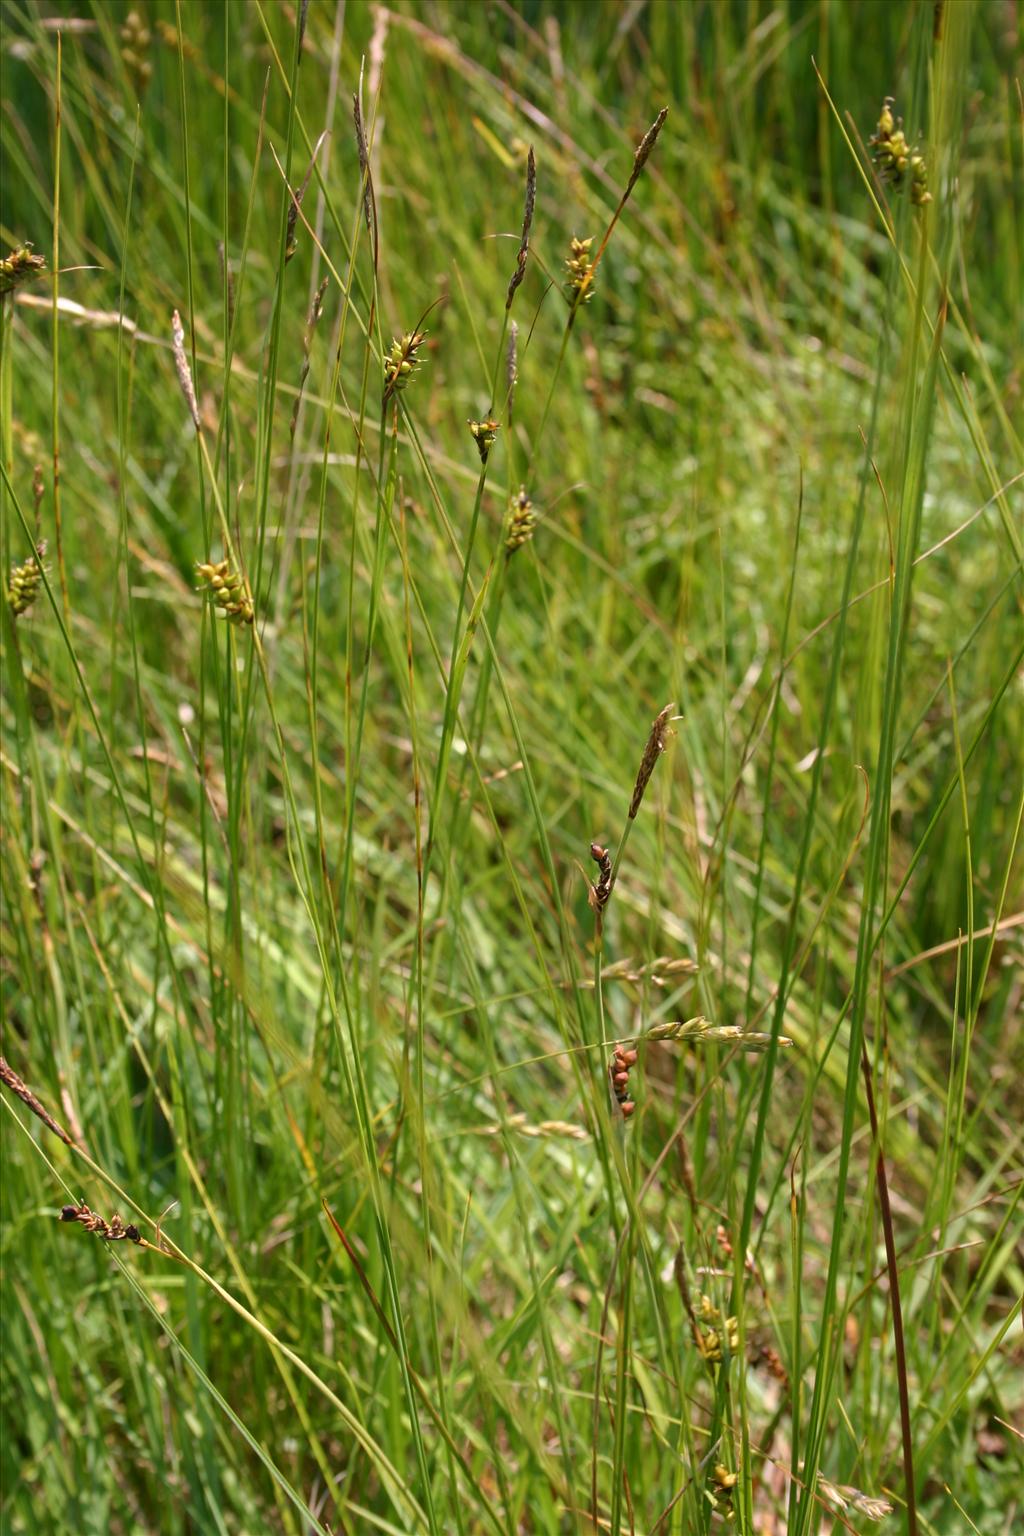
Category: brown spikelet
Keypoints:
(600, 892)
(644, 148)
(291, 245)
(640, 157)
(112, 1231)
(25, 1094)
(656, 743)
(364, 157)
(303, 13)
(183, 370)
(524, 241)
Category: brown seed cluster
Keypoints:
(25, 1094)
(600, 892)
(623, 1059)
(112, 1231)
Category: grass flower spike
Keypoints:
(600, 893)
(484, 434)
(896, 159)
(112, 1231)
(656, 743)
(521, 521)
(19, 267)
(402, 362)
(524, 239)
(23, 588)
(25, 1094)
(229, 590)
(579, 269)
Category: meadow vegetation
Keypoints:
(511, 767)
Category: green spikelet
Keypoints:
(896, 159)
(402, 362)
(19, 266)
(484, 434)
(580, 272)
(228, 589)
(521, 521)
(23, 587)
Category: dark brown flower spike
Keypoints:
(644, 148)
(25, 1094)
(600, 892)
(364, 157)
(291, 245)
(112, 1231)
(524, 239)
(656, 743)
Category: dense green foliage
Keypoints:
(297, 912)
